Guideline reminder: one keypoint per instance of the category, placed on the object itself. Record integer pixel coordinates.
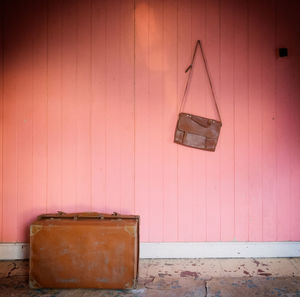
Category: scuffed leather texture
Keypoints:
(197, 132)
(84, 250)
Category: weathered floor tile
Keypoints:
(256, 286)
(4, 268)
(239, 267)
(179, 278)
(197, 268)
(208, 268)
(166, 286)
(144, 267)
(296, 264)
(13, 268)
(277, 267)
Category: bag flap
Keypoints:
(199, 125)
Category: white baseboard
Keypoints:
(220, 250)
(14, 251)
(17, 251)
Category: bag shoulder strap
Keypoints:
(190, 68)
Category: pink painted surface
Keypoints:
(90, 92)
(227, 141)
(255, 117)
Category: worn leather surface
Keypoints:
(84, 250)
(197, 132)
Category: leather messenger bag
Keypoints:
(196, 131)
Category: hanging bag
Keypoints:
(196, 131)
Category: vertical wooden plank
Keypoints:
(212, 51)
(39, 113)
(83, 106)
(155, 135)
(169, 120)
(120, 106)
(295, 159)
(226, 140)
(185, 161)
(294, 50)
(142, 117)
(10, 151)
(283, 107)
(241, 100)
(69, 116)
(196, 104)
(113, 148)
(1, 113)
(269, 114)
(294, 178)
(54, 94)
(98, 105)
(24, 88)
(255, 121)
(126, 106)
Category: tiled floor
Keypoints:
(180, 278)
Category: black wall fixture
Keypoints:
(283, 52)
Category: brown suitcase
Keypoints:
(84, 250)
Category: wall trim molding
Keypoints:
(18, 251)
(14, 251)
(220, 250)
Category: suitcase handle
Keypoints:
(86, 215)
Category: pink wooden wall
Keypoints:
(89, 98)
